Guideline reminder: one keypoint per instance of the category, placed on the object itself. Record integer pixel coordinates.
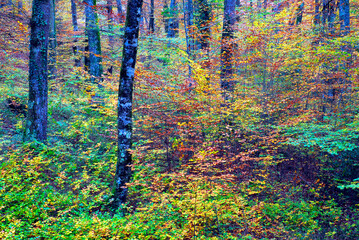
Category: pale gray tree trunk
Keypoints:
(125, 93)
(36, 122)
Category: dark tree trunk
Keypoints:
(344, 16)
(94, 43)
(152, 17)
(204, 15)
(316, 12)
(299, 17)
(328, 15)
(36, 122)
(166, 16)
(76, 29)
(125, 93)
(173, 20)
(110, 22)
(227, 47)
(52, 43)
(189, 23)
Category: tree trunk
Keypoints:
(36, 122)
(119, 11)
(110, 22)
(94, 43)
(299, 15)
(152, 17)
(317, 13)
(76, 29)
(204, 15)
(125, 93)
(344, 16)
(227, 45)
(52, 43)
(173, 21)
(328, 15)
(188, 22)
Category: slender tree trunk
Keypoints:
(152, 17)
(299, 15)
(125, 93)
(227, 46)
(76, 29)
(110, 22)
(317, 13)
(173, 21)
(204, 15)
(94, 42)
(52, 43)
(119, 11)
(187, 14)
(36, 122)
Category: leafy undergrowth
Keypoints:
(202, 170)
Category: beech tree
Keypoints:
(76, 29)
(52, 43)
(94, 42)
(173, 21)
(125, 93)
(151, 26)
(203, 19)
(36, 122)
(227, 46)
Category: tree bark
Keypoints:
(152, 17)
(173, 21)
(110, 22)
(36, 122)
(227, 45)
(125, 93)
(52, 43)
(317, 13)
(76, 29)
(94, 42)
(344, 16)
(204, 15)
(119, 11)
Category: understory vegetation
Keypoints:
(265, 164)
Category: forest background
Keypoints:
(245, 122)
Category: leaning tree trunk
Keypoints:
(125, 93)
(227, 47)
(94, 43)
(36, 122)
(52, 43)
